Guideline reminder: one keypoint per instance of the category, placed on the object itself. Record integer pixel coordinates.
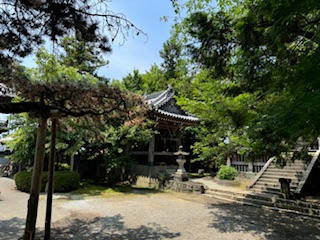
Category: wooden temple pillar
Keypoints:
(151, 150)
(179, 138)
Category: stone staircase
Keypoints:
(268, 181)
(264, 189)
(266, 201)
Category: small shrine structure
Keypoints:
(169, 119)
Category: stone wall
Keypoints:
(147, 182)
(187, 186)
(151, 171)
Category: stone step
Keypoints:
(288, 168)
(266, 188)
(273, 176)
(276, 180)
(270, 188)
(267, 201)
(272, 185)
(227, 194)
(264, 191)
(296, 162)
(291, 170)
(263, 181)
(279, 175)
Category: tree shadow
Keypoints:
(106, 228)
(12, 228)
(81, 228)
(271, 225)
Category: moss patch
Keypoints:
(89, 189)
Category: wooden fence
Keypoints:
(238, 162)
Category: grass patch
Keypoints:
(199, 175)
(90, 189)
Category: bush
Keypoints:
(64, 181)
(63, 166)
(227, 173)
(23, 181)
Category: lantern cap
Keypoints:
(181, 152)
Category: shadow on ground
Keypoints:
(106, 228)
(269, 224)
(12, 228)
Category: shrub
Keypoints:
(64, 181)
(227, 173)
(63, 166)
(23, 181)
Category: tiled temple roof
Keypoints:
(164, 105)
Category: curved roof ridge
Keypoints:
(175, 115)
(160, 98)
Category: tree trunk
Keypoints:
(72, 162)
(30, 229)
(50, 179)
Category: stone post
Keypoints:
(250, 167)
(285, 187)
(181, 173)
(228, 161)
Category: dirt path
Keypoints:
(162, 216)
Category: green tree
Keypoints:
(154, 80)
(27, 24)
(24, 26)
(262, 65)
(74, 133)
(56, 90)
(87, 57)
(133, 82)
(23, 139)
(171, 53)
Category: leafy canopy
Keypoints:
(258, 80)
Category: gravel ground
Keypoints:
(162, 216)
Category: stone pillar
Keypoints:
(151, 150)
(228, 161)
(250, 166)
(181, 173)
(285, 187)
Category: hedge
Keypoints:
(64, 181)
(227, 173)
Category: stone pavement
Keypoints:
(227, 185)
(152, 216)
(13, 210)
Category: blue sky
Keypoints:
(138, 52)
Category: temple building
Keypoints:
(169, 119)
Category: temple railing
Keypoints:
(241, 165)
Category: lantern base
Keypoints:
(181, 176)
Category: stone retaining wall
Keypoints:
(187, 186)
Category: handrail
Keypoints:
(307, 173)
(261, 172)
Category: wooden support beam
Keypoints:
(50, 178)
(30, 229)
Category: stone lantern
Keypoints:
(181, 173)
